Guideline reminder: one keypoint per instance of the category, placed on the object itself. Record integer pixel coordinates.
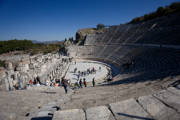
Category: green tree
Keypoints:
(2, 63)
(71, 39)
(160, 10)
(100, 26)
(65, 40)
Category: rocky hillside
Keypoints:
(82, 34)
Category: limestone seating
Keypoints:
(46, 112)
(105, 52)
(157, 31)
(151, 63)
(160, 59)
(163, 105)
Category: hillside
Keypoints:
(28, 46)
(82, 34)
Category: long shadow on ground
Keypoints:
(147, 76)
(134, 116)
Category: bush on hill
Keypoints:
(100, 26)
(2, 63)
(161, 11)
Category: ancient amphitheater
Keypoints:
(144, 59)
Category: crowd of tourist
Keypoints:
(81, 80)
(66, 83)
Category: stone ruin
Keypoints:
(18, 72)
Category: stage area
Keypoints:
(84, 69)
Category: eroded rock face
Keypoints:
(18, 74)
(83, 33)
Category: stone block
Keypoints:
(169, 98)
(174, 90)
(129, 110)
(45, 114)
(9, 66)
(72, 114)
(49, 108)
(178, 86)
(157, 109)
(99, 113)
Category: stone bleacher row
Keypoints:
(163, 30)
(153, 62)
(163, 105)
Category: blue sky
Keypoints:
(46, 20)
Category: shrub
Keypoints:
(174, 7)
(2, 63)
(100, 26)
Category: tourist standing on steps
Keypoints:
(93, 82)
(80, 83)
(38, 80)
(31, 82)
(78, 76)
(85, 83)
(64, 84)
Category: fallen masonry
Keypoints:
(21, 70)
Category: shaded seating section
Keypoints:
(149, 63)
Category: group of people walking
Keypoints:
(66, 83)
(86, 72)
(81, 83)
(36, 81)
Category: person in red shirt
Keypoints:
(85, 83)
(30, 82)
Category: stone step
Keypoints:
(168, 98)
(43, 115)
(49, 108)
(72, 114)
(157, 109)
(99, 113)
(163, 105)
(174, 90)
(129, 110)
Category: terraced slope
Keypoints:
(162, 30)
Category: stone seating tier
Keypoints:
(163, 105)
(163, 30)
